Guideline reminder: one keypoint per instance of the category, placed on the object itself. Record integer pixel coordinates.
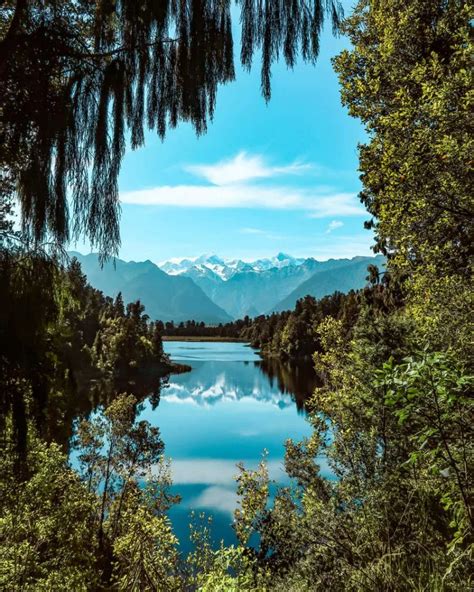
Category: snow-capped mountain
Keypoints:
(214, 290)
(226, 269)
(260, 286)
(279, 261)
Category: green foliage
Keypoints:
(409, 79)
(146, 554)
(233, 570)
(115, 452)
(57, 332)
(102, 68)
(432, 398)
(47, 539)
(253, 488)
(105, 528)
(226, 568)
(396, 517)
(293, 335)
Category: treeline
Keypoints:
(59, 337)
(293, 335)
(289, 335)
(190, 328)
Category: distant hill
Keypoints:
(257, 287)
(166, 297)
(212, 290)
(252, 292)
(344, 278)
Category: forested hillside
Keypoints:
(63, 338)
(166, 297)
(343, 279)
(289, 335)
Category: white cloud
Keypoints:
(248, 196)
(231, 184)
(262, 233)
(334, 225)
(241, 168)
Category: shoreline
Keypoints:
(198, 338)
(178, 368)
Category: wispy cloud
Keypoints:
(262, 233)
(245, 196)
(334, 225)
(340, 246)
(232, 185)
(248, 230)
(243, 168)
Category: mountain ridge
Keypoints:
(322, 283)
(257, 287)
(166, 297)
(210, 289)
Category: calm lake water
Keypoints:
(228, 409)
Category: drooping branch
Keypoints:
(77, 76)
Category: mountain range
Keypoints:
(214, 290)
(165, 297)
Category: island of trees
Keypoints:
(395, 360)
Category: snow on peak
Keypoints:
(225, 269)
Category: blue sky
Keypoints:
(264, 179)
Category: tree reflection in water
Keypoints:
(297, 379)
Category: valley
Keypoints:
(212, 290)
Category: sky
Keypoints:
(266, 178)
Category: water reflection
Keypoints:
(228, 409)
(235, 373)
(211, 383)
(297, 379)
(88, 393)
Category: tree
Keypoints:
(47, 540)
(147, 556)
(121, 463)
(116, 451)
(76, 76)
(431, 394)
(409, 79)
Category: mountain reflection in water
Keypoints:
(229, 409)
(214, 381)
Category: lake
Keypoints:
(230, 408)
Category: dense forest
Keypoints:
(395, 359)
(64, 337)
(293, 335)
(289, 335)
